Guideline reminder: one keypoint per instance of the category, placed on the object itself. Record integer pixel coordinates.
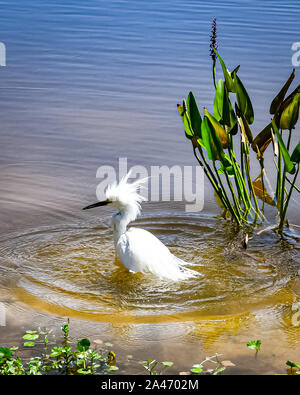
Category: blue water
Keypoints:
(89, 82)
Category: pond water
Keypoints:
(88, 83)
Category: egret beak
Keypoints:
(98, 204)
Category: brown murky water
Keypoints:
(87, 84)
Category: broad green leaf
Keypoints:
(243, 100)
(289, 165)
(194, 114)
(29, 344)
(5, 352)
(290, 114)
(29, 336)
(56, 352)
(227, 75)
(221, 104)
(208, 141)
(186, 122)
(280, 96)
(196, 370)
(295, 157)
(222, 135)
(83, 345)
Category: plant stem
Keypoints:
(282, 217)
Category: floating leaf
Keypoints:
(280, 96)
(243, 100)
(29, 344)
(168, 363)
(29, 336)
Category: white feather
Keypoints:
(138, 249)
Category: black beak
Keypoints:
(98, 204)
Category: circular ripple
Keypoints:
(71, 270)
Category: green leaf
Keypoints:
(29, 344)
(29, 336)
(31, 332)
(221, 104)
(194, 114)
(83, 345)
(168, 363)
(206, 130)
(189, 134)
(219, 370)
(222, 135)
(113, 368)
(254, 344)
(289, 165)
(5, 352)
(290, 114)
(197, 370)
(295, 157)
(227, 75)
(243, 100)
(84, 371)
(280, 96)
(293, 364)
(56, 352)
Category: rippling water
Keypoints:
(87, 83)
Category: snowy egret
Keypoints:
(138, 249)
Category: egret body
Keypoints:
(138, 249)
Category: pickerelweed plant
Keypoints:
(222, 140)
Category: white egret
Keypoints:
(138, 249)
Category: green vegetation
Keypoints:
(224, 153)
(68, 359)
(55, 358)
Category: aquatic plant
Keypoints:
(224, 152)
(60, 359)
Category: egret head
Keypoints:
(124, 197)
